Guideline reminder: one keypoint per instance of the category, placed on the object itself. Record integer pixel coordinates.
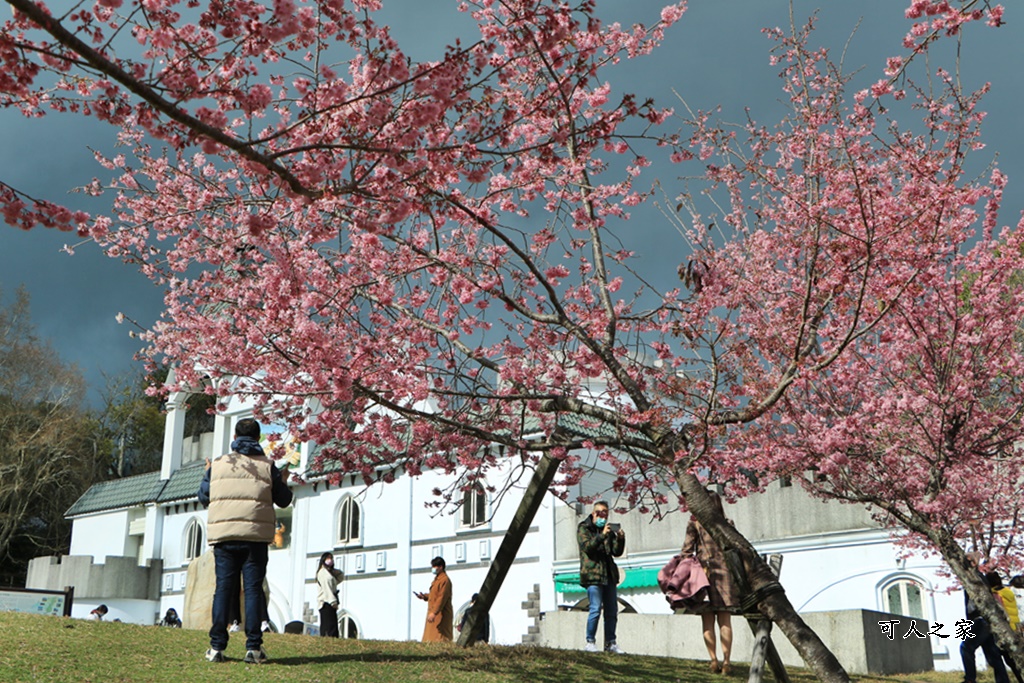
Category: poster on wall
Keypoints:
(279, 444)
(32, 601)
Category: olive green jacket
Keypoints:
(597, 568)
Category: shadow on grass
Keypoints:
(353, 657)
(572, 667)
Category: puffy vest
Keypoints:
(241, 499)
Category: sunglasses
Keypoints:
(601, 513)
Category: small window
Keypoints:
(903, 596)
(194, 540)
(474, 506)
(348, 521)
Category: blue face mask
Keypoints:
(600, 522)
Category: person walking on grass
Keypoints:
(241, 489)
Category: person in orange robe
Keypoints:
(440, 614)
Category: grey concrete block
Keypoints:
(853, 636)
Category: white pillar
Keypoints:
(174, 434)
(153, 540)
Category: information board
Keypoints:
(33, 601)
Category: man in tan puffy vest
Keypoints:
(240, 489)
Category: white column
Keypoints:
(153, 540)
(174, 434)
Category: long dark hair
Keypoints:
(323, 558)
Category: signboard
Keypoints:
(276, 439)
(33, 601)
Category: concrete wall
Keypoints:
(853, 635)
(778, 513)
(117, 578)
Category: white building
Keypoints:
(383, 538)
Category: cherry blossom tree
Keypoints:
(410, 260)
(921, 414)
(922, 417)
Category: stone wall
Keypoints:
(777, 513)
(854, 636)
(116, 578)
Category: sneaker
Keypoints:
(255, 656)
(591, 646)
(265, 626)
(214, 655)
(234, 628)
(614, 649)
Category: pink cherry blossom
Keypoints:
(412, 262)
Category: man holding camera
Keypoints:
(599, 542)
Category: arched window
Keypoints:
(474, 507)
(349, 514)
(903, 596)
(347, 626)
(194, 539)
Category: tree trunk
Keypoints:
(542, 478)
(980, 594)
(773, 602)
(764, 648)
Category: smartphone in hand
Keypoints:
(614, 527)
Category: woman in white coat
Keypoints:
(327, 578)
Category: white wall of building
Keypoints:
(100, 535)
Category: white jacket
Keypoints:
(327, 587)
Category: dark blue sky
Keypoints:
(715, 56)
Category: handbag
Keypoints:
(683, 582)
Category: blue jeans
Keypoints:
(982, 638)
(606, 597)
(233, 560)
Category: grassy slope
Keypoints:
(36, 648)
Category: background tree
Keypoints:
(48, 451)
(407, 260)
(132, 423)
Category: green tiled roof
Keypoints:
(118, 493)
(183, 484)
(138, 490)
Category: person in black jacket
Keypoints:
(980, 636)
(171, 619)
(483, 622)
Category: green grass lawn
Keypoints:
(38, 648)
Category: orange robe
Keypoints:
(439, 602)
